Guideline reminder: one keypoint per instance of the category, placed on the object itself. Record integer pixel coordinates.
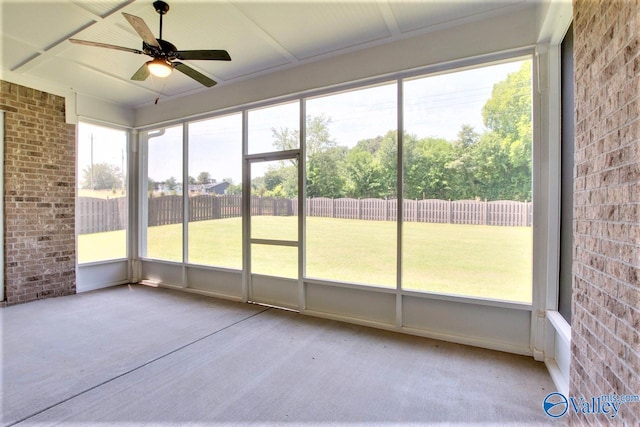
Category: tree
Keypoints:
(492, 168)
(192, 180)
(204, 178)
(280, 181)
(364, 175)
(426, 174)
(171, 183)
(463, 165)
(508, 115)
(234, 189)
(317, 136)
(151, 184)
(102, 176)
(387, 157)
(325, 173)
(467, 136)
(324, 159)
(508, 111)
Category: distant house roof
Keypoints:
(215, 187)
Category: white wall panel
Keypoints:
(224, 283)
(487, 326)
(101, 275)
(365, 304)
(162, 273)
(103, 111)
(274, 291)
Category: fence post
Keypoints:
(486, 212)
(450, 212)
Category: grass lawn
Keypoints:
(471, 260)
(101, 246)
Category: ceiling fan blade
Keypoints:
(108, 46)
(195, 75)
(141, 74)
(142, 29)
(204, 55)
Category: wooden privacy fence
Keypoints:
(507, 213)
(96, 215)
(206, 207)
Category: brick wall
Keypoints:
(606, 303)
(39, 195)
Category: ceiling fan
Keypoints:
(164, 53)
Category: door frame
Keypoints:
(289, 295)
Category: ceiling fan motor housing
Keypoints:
(166, 50)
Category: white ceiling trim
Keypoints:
(260, 32)
(389, 18)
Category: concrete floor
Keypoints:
(146, 356)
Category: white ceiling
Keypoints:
(261, 37)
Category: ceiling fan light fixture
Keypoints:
(159, 68)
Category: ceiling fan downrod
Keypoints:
(162, 8)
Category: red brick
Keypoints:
(605, 313)
(37, 136)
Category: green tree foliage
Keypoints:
(277, 181)
(102, 176)
(508, 111)
(171, 183)
(508, 114)
(317, 136)
(364, 177)
(426, 174)
(492, 165)
(204, 178)
(384, 152)
(325, 172)
(322, 155)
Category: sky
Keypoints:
(109, 146)
(434, 106)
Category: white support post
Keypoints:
(185, 201)
(246, 208)
(134, 181)
(302, 197)
(400, 204)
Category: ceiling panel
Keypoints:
(260, 35)
(42, 24)
(18, 54)
(114, 62)
(90, 82)
(412, 16)
(308, 29)
(120, 34)
(100, 8)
